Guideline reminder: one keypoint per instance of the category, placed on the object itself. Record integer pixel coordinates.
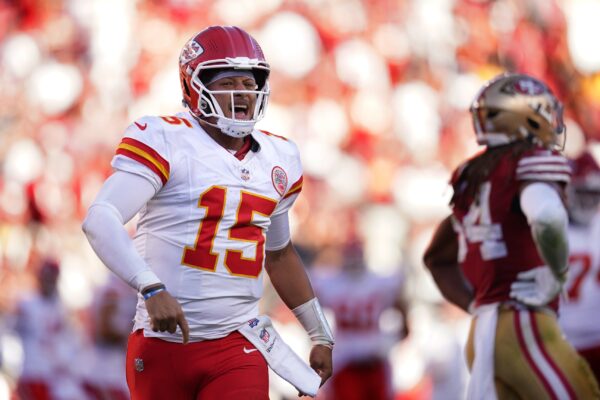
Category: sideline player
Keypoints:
(213, 195)
(51, 347)
(578, 315)
(358, 298)
(506, 236)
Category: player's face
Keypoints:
(239, 105)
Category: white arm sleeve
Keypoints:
(278, 235)
(121, 197)
(548, 219)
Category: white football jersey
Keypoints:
(42, 327)
(578, 315)
(358, 302)
(203, 232)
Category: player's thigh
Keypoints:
(379, 381)
(33, 390)
(153, 370)
(348, 384)
(534, 360)
(592, 356)
(240, 373)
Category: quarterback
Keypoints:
(502, 253)
(213, 194)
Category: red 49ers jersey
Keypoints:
(203, 232)
(495, 241)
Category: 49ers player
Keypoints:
(579, 309)
(213, 195)
(502, 253)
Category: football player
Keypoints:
(213, 195)
(358, 298)
(579, 309)
(502, 253)
(50, 344)
(111, 313)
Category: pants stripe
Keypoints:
(535, 357)
(564, 380)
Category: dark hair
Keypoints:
(478, 169)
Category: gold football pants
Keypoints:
(533, 360)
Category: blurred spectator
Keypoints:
(359, 300)
(49, 343)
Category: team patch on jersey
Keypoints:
(280, 180)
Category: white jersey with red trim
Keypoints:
(203, 232)
(358, 301)
(42, 326)
(578, 314)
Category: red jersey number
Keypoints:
(202, 254)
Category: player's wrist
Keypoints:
(152, 290)
(146, 279)
(311, 317)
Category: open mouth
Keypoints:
(240, 111)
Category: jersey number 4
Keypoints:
(202, 254)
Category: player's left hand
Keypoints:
(536, 287)
(321, 362)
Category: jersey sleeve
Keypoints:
(143, 151)
(294, 187)
(543, 165)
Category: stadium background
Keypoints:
(375, 93)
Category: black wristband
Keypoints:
(153, 287)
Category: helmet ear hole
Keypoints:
(533, 124)
(186, 88)
(492, 113)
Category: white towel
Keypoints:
(481, 385)
(280, 357)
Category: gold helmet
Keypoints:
(514, 107)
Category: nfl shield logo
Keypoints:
(280, 180)
(264, 335)
(245, 174)
(253, 322)
(139, 364)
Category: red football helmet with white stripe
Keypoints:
(215, 50)
(515, 107)
(583, 193)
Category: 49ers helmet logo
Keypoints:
(529, 87)
(280, 180)
(190, 51)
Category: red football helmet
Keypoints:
(584, 189)
(213, 50)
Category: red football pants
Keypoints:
(359, 381)
(211, 369)
(32, 390)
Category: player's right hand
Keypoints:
(165, 314)
(536, 287)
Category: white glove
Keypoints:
(536, 287)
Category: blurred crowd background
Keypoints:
(375, 94)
